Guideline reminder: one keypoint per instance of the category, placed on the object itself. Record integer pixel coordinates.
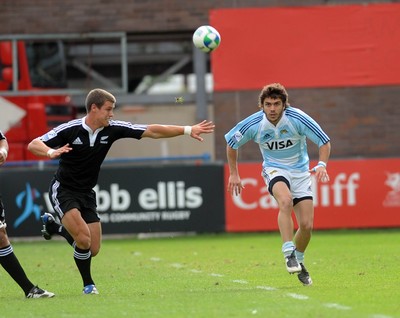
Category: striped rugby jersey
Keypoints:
(79, 169)
(284, 145)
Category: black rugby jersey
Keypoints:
(79, 169)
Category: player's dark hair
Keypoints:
(275, 91)
(98, 97)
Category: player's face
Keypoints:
(273, 109)
(105, 113)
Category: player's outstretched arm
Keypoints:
(205, 127)
(156, 131)
(39, 148)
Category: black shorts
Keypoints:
(64, 200)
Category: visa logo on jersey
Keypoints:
(277, 145)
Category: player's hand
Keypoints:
(235, 186)
(205, 127)
(58, 152)
(320, 173)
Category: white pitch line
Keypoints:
(266, 288)
(216, 275)
(298, 296)
(240, 281)
(337, 306)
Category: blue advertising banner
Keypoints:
(129, 199)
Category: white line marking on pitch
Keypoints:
(266, 288)
(337, 306)
(240, 281)
(297, 296)
(216, 275)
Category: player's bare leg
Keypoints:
(95, 234)
(80, 231)
(304, 211)
(285, 222)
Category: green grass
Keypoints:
(355, 274)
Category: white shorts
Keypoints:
(299, 183)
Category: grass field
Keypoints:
(355, 274)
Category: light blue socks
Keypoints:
(288, 248)
(300, 256)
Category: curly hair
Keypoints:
(275, 91)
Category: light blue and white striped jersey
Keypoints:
(284, 145)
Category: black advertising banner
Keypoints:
(162, 199)
(24, 194)
(129, 199)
